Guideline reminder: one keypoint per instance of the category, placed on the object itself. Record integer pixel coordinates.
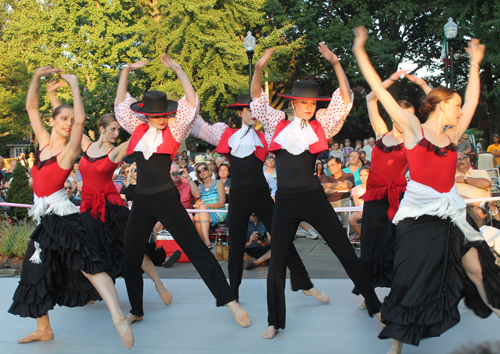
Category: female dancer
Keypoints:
(101, 201)
(246, 150)
(301, 198)
(155, 140)
(427, 280)
(385, 187)
(66, 261)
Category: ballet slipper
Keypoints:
(320, 296)
(134, 318)
(37, 335)
(269, 333)
(239, 314)
(166, 296)
(362, 306)
(125, 332)
(378, 315)
(397, 347)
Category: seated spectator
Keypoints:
(464, 145)
(494, 150)
(346, 150)
(219, 161)
(472, 184)
(191, 165)
(215, 169)
(338, 186)
(9, 174)
(128, 190)
(212, 197)
(359, 145)
(362, 158)
(184, 156)
(122, 176)
(225, 177)
(319, 170)
(22, 160)
(336, 152)
(258, 246)
(353, 166)
(31, 160)
(272, 185)
(69, 189)
(270, 167)
(188, 190)
(357, 197)
(323, 156)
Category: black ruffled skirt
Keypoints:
(67, 248)
(378, 237)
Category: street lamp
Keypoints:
(249, 43)
(450, 32)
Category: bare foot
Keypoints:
(320, 296)
(125, 332)
(166, 296)
(269, 333)
(134, 318)
(239, 313)
(362, 306)
(397, 347)
(37, 335)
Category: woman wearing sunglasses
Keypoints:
(158, 126)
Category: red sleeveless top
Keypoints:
(387, 175)
(432, 165)
(98, 186)
(48, 176)
(223, 147)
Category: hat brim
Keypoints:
(238, 106)
(137, 107)
(305, 98)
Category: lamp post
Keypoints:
(249, 43)
(450, 32)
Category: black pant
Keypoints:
(314, 208)
(166, 207)
(241, 206)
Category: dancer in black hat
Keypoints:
(300, 195)
(246, 150)
(156, 136)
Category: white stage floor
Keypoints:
(192, 324)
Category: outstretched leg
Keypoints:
(149, 268)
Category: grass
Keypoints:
(14, 237)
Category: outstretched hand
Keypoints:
(45, 70)
(360, 37)
(137, 65)
(265, 57)
(415, 79)
(476, 51)
(397, 75)
(328, 54)
(54, 86)
(170, 63)
(70, 79)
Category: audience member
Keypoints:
(31, 160)
(272, 185)
(359, 145)
(494, 149)
(472, 184)
(258, 246)
(219, 161)
(69, 189)
(128, 190)
(362, 158)
(346, 150)
(184, 156)
(188, 190)
(212, 198)
(215, 169)
(368, 148)
(357, 197)
(336, 152)
(353, 166)
(208, 154)
(191, 165)
(269, 167)
(319, 170)
(225, 178)
(464, 145)
(123, 174)
(338, 186)
(3, 187)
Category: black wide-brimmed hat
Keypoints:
(305, 90)
(154, 103)
(243, 101)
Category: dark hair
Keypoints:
(405, 104)
(318, 163)
(106, 120)
(58, 109)
(364, 168)
(228, 170)
(337, 160)
(356, 151)
(434, 97)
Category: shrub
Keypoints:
(14, 238)
(20, 192)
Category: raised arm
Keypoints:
(420, 82)
(211, 133)
(476, 52)
(73, 149)
(377, 122)
(408, 122)
(191, 98)
(52, 87)
(119, 152)
(345, 88)
(32, 105)
(261, 110)
(124, 115)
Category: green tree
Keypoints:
(20, 192)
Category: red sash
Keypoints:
(377, 189)
(316, 148)
(223, 147)
(96, 200)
